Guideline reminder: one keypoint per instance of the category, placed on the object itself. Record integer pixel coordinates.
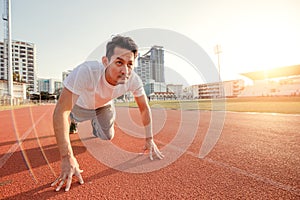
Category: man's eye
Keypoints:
(119, 63)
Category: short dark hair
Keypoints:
(122, 42)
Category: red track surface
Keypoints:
(256, 157)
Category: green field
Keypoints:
(15, 107)
(290, 105)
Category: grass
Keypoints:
(289, 105)
(15, 107)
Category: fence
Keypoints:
(5, 101)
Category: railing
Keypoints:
(18, 102)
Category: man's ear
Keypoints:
(105, 61)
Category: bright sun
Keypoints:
(260, 46)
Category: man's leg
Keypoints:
(73, 125)
(103, 123)
(79, 114)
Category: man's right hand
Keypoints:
(69, 167)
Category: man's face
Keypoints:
(119, 67)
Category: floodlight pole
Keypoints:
(217, 52)
(7, 18)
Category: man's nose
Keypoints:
(124, 69)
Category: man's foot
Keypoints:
(73, 128)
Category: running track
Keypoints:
(256, 157)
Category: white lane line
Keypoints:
(260, 178)
(257, 177)
(263, 113)
(14, 147)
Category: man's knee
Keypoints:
(107, 134)
(103, 133)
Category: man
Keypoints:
(88, 95)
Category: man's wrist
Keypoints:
(65, 150)
(149, 138)
(148, 130)
(67, 155)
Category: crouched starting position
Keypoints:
(88, 95)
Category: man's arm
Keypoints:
(61, 121)
(69, 165)
(145, 114)
(145, 111)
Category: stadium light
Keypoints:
(217, 52)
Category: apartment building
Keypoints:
(151, 65)
(231, 88)
(49, 85)
(23, 63)
(143, 69)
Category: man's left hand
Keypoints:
(152, 148)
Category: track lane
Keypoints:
(256, 157)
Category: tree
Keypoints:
(57, 92)
(44, 95)
(16, 77)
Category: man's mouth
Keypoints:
(123, 77)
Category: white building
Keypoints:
(283, 81)
(143, 69)
(152, 87)
(177, 89)
(151, 65)
(19, 90)
(191, 92)
(23, 63)
(231, 88)
(65, 74)
(49, 85)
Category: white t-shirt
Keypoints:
(89, 82)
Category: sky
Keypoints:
(253, 34)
